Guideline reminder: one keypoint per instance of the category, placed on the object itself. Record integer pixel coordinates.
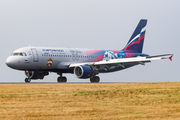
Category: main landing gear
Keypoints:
(95, 79)
(61, 79)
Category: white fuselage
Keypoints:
(41, 58)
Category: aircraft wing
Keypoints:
(125, 61)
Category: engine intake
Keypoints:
(36, 74)
(85, 71)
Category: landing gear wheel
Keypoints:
(95, 79)
(27, 80)
(62, 80)
(59, 79)
(92, 80)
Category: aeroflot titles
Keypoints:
(53, 50)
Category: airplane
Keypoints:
(37, 62)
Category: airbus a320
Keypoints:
(38, 62)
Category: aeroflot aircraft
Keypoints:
(37, 62)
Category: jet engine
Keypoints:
(36, 74)
(85, 71)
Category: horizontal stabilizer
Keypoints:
(170, 58)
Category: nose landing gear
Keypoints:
(27, 80)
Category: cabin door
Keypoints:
(35, 55)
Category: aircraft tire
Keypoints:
(62, 80)
(96, 79)
(27, 80)
(59, 79)
(92, 80)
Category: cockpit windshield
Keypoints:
(19, 54)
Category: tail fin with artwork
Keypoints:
(135, 43)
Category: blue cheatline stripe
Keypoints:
(143, 33)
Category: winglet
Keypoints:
(171, 57)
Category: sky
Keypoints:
(98, 24)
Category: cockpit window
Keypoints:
(24, 54)
(15, 54)
(19, 54)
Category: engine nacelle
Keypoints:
(85, 71)
(36, 74)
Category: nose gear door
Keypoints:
(35, 55)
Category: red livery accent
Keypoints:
(92, 51)
(135, 42)
(171, 57)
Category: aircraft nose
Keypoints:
(10, 62)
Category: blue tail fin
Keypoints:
(135, 43)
